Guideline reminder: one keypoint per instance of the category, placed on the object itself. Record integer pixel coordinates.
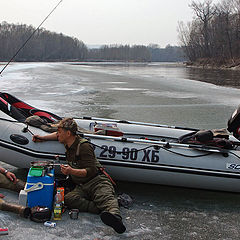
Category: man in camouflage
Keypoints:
(94, 191)
(9, 181)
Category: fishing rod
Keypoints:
(165, 145)
(30, 37)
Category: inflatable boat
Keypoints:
(130, 151)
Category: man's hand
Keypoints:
(11, 176)
(50, 137)
(37, 138)
(66, 169)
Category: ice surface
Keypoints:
(159, 94)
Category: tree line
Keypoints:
(116, 52)
(43, 46)
(138, 53)
(50, 46)
(214, 33)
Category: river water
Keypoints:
(165, 93)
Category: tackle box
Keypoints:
(40, 187)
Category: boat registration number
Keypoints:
(144, 155)
(233, 166)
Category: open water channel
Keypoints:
(162, 93)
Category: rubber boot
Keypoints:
(114, 221)
(15, 208)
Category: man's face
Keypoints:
(62, 135)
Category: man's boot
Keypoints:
(21, 210)
(114, 221)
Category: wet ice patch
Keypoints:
(170, 94)
(15, 76)
(14, 81)
(138, 231)
(4, 216)
(43, 104)
(22, 66)
(84, 90)
(126, 89)
(192, 234)
(97, 69)
(69, 91)
(115, 82)
(146, 76)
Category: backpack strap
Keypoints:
(83, 140)
(102, 170)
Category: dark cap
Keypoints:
(68, 124)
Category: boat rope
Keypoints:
(23, 45)
(10, 120)
(153, 146)
(234, 154)
(185, 155)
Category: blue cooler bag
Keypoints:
(40, 187)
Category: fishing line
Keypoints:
(30, 37)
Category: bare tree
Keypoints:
(214, 33)
(204, 12)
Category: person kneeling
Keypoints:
(94, 191)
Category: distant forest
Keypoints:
(137, 53)
(213, 37)
(50, 46)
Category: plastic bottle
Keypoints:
(58, 197)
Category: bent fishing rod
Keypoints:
(23, 45)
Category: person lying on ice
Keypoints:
(9, 181)
(94, 191)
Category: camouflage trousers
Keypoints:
(7, 184)
(95, 196)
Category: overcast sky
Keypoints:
(104, 21)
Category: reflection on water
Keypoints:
(219, 77)
(228, 78)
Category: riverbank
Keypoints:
(215, 64)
